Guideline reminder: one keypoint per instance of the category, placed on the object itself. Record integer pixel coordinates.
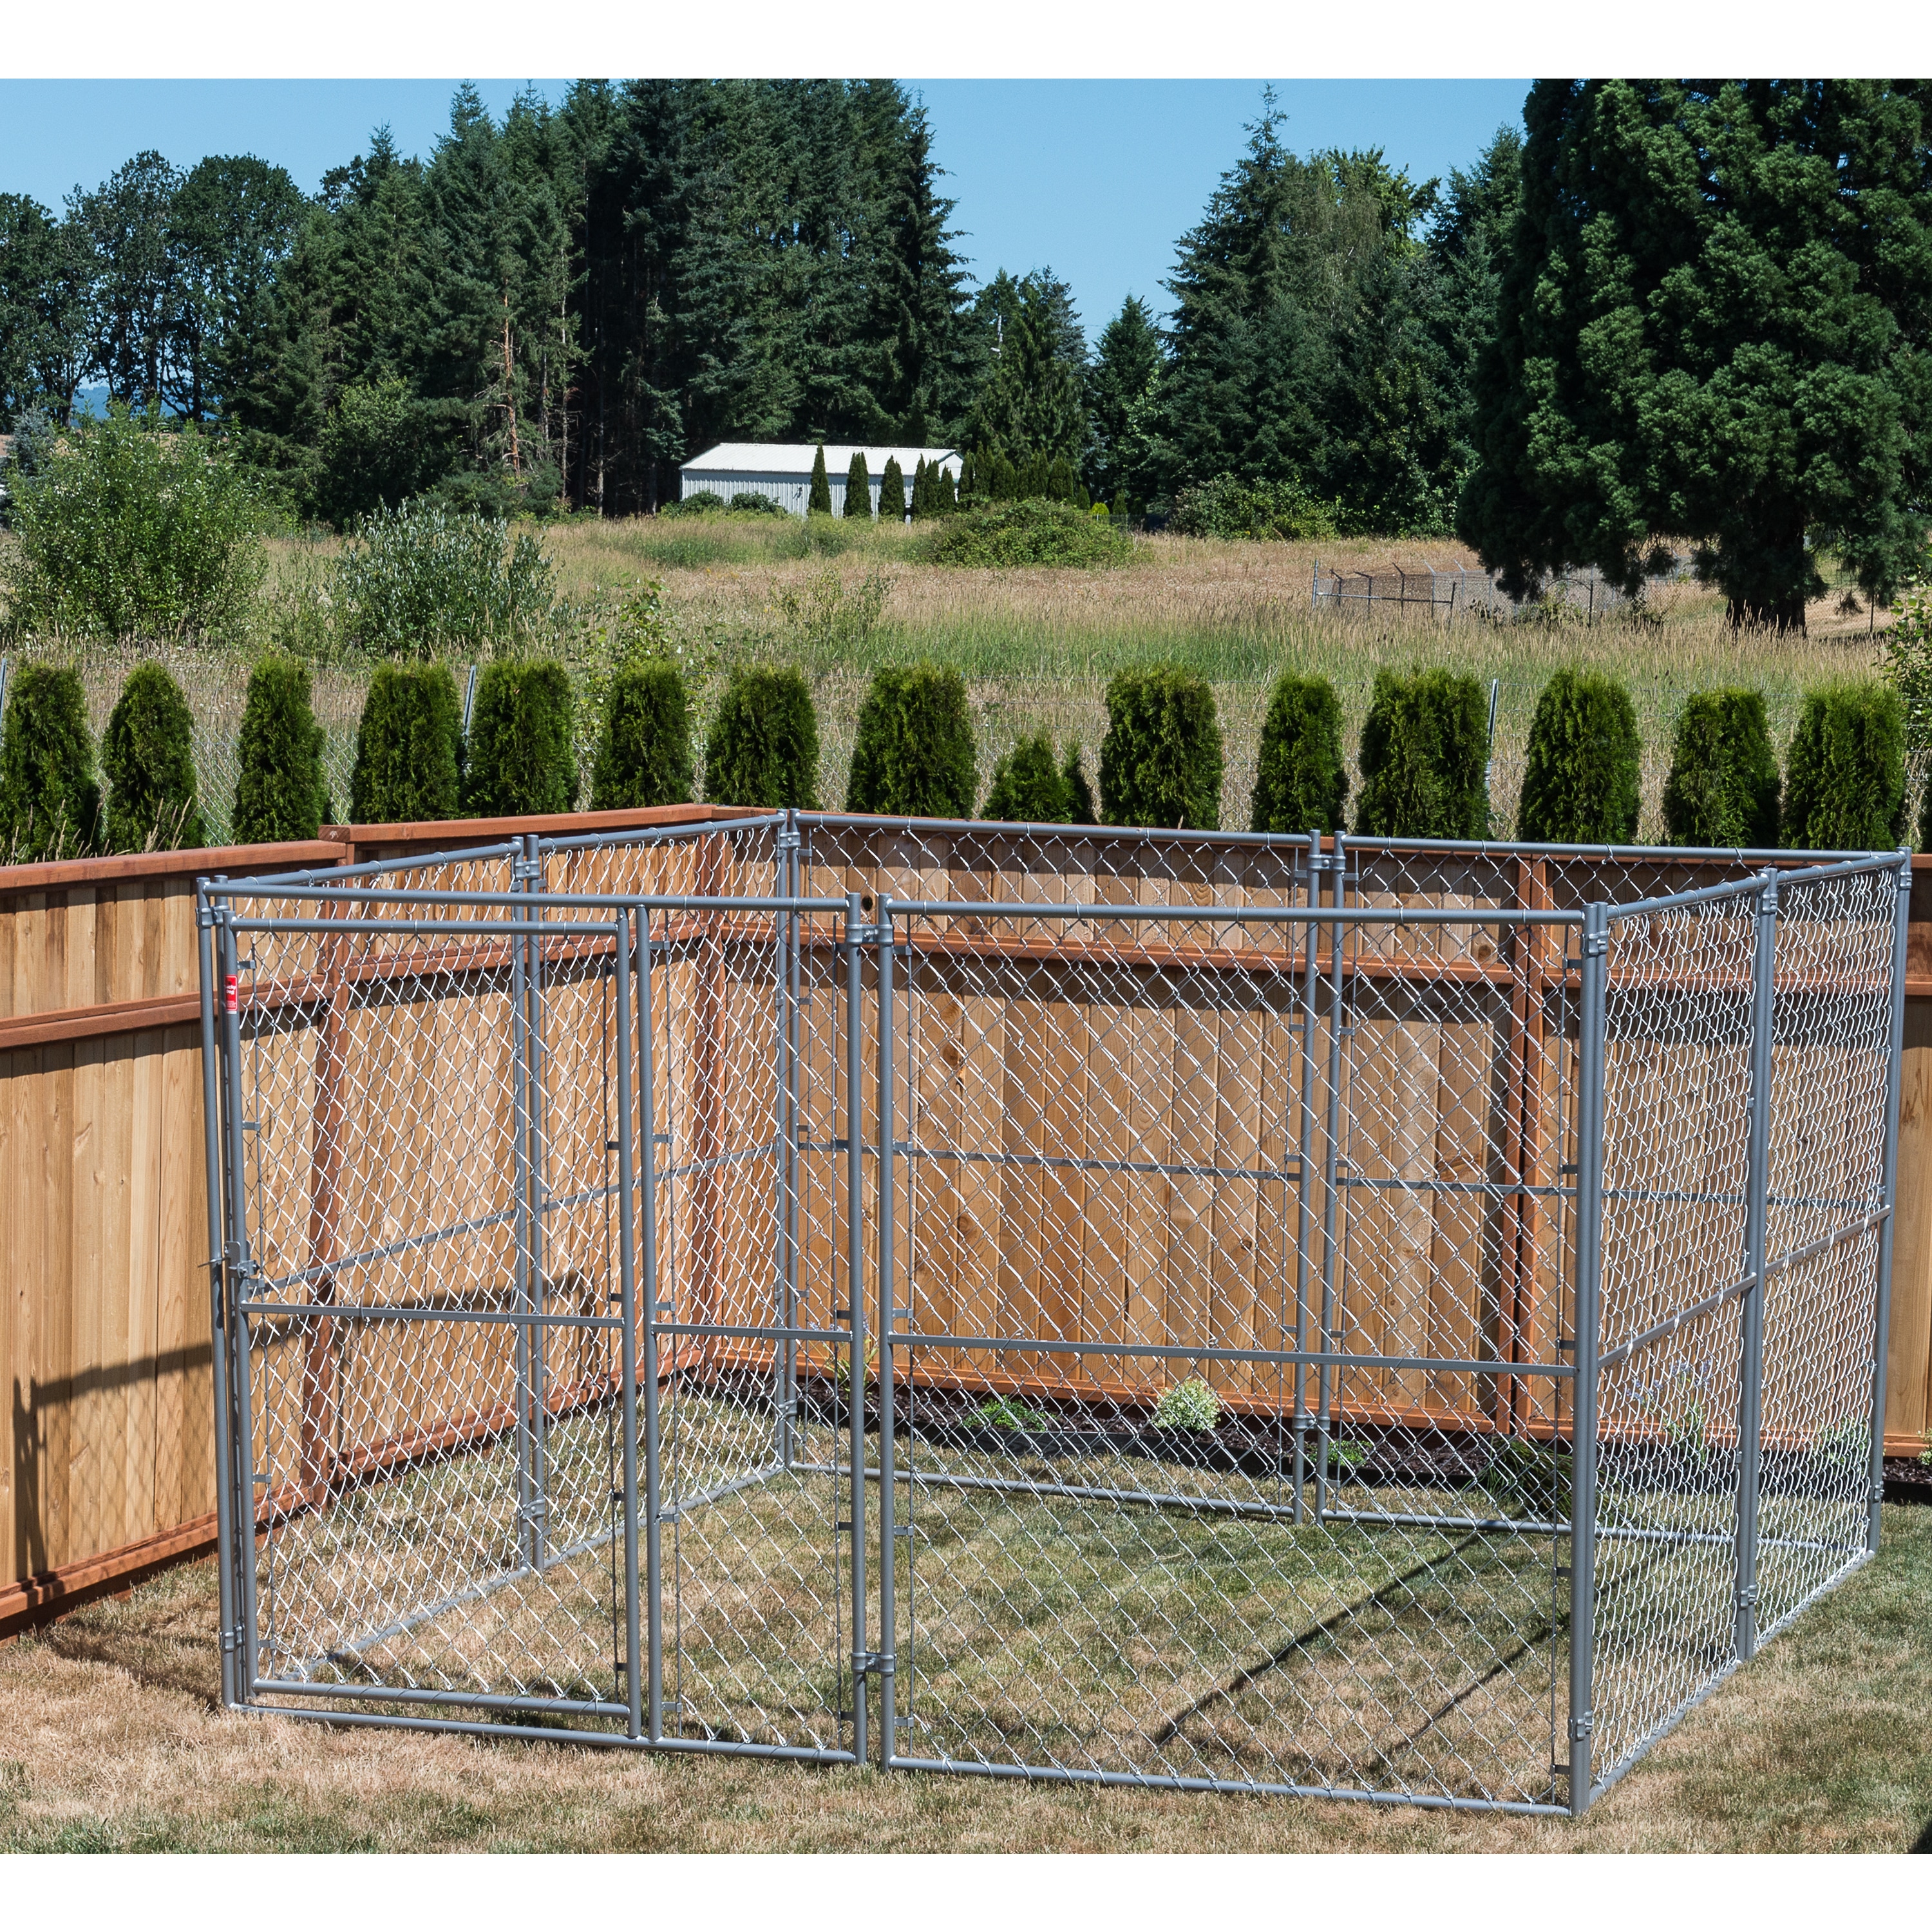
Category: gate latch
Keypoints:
(864, 1662)
(1580, 1728)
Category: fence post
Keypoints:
(887, 1661)
(1310, 979)
(627, 1297)
(1327, 1375)
(1585, 1341)
(218, 1264)
(1750, 1369)
(1881, 1340)
(539, 1356)
(855, 1312)
(653, 1470)
(519, 1110)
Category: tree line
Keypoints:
(1686, 310)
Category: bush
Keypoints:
(1583, 778)
(699, 503)
(1013, 536)
(1161, 762)
(1227, 507)
(147, 756)
(424, 581)
(1722, 788)
(892, 492)
(1425, 751)
(1080, 806)
(380, 444)
(858, 487)
(408, 749)
(763, 748)
(1191, 1405)
(1844, 773)
(750, 503)
(1029, 787)
(913, 757)
(130, 529)
(282, 792)
(1301, 775)
(50, 799)
(519, 759)
(643, 750)
(818, 499)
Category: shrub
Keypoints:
(520, 759)
(127, 529)
(281, 792)
(818, 502)
(751, 503)
(50, 799)
(1425, 749)
(1191, 1405)
(1723, 787)
(1029, 787)
(699, 503)
(422, 581)
(1844, 773)
(147, 756)
(1227, 507)
(1014, 536)
(763, 747)
(912, 756)
(892, 492)
(1161, 761)
(1301, 775)
(1080, 810)
(643, 750)
(1583, 778)
(858, 487)
(380, 444)
(409, 748)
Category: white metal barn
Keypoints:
(782, 471)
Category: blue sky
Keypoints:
(1095, 179)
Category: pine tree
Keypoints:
(1120, 388)
(147, 756)
(892, 492)
(819, 502)
(858, 487)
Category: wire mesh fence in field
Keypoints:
(1385, 1320)
(1447, 595)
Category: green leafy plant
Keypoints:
(1031, 533)
(912, 755)
(132, 528)
(644, 752)
(1424, 757)
(699, 503)
(148, 755)
(754, 503)
(818, 498)
(1191, 1405)
(858, 487)
(1002, 1411)
(1583, 777)
(422, 580)
(1161, 761)
(281, 792)
(521, 757)
(1344, 1456)
(823, 618)
(763, 746)
(1844, 773)
(1227, 507)
(892, 492)
(50, 797)
(408, 748)
(1301, 775)
(1723, 787)
(1030, 787)
(1531, 1476)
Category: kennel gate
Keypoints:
(657, 1303)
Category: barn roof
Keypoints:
(789, 459)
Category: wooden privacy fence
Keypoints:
(1013, 1043)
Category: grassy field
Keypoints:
(110, 1739)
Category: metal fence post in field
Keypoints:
(1364, 1318)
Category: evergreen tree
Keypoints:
(520, 759)
(147, 756)
(1028, 787)
(1424, 758)
(408, 747)
(819, 501)
(1844, 784)
(1161, 761)
(858, 487)
(1031, 401)
(1120, 389)
(1301, 777)
(282, 793)
(892, 492)
(762, 749)
(644, 752)
(1722, 790)
(50, 799)
(912, 755)
(1583, 775)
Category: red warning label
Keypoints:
(231, 995)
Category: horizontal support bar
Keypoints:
(1012, 910)
(1186, 1168)
(383, 1694)
(409, 1244)
(352, 1311)
(1050, 1345)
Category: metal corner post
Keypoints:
(886, 1663)
(627, 1296)
(653, 1471)
(1894, 1092)
(855, 1290)
(1303, 1220)
(1325, 1378)
(1757, 1184)
(217, 1291)
(1587, 1337)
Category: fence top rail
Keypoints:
(648, 834)
(517, 902)
(1899, 862)
(259, 883)
(1013, 909)
(1780, 857)
(486, 929)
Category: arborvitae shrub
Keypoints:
(912, 756)
(1161, 759)
(1723, 788)
(50, 798)
(1583, 778)
(1029, 787)
(147, 756)
(820, 500)
(1080, 807)
(763, 746)
(858, 487)
(520, 758)
(1844, 775)
(892, 492)
(408, 748)
(281, 792)
(643, 750)
(1425, 749)
(1301, 776)
(969, 478)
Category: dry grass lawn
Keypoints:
(110, 1739)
